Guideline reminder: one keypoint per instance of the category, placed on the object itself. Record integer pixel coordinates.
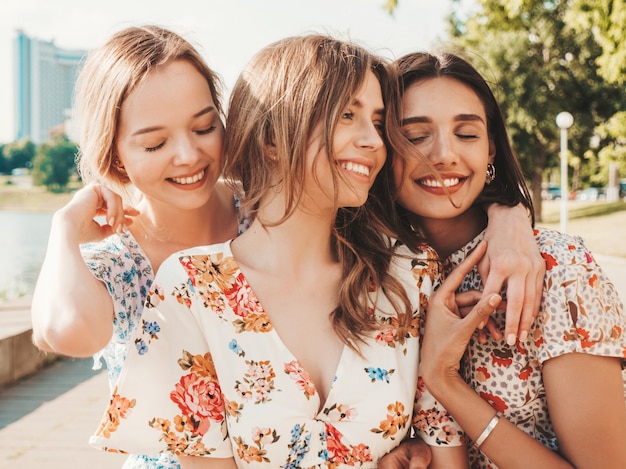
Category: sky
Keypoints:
(227, 32)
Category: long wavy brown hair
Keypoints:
(288, 89)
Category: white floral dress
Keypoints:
(580, 312)
(120, 263)
(209, 376)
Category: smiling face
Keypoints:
(170, 137)
(445, 120)
(358, 147)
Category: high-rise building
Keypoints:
(44, 83)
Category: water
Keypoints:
(23, 240)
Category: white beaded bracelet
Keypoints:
(487, 431)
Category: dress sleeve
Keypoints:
(431, 421)
(126, 274)
(581, 309)
(167, 398)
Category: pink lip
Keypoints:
(192, 186)
(445, 190)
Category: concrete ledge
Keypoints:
(18, 356)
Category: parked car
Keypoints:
(591, 194)
(551, 192)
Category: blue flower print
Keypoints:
(235, 347)
(141, 346)
(378, 374)
(151, 327)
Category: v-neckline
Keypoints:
(345, 349)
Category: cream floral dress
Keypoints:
(581, 312)
(209, 376)
(119, 262)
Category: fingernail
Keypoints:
(523, 336)
(511, 339)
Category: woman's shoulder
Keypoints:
(565, 252)
(179, 262)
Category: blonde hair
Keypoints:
(108, 75)
(287, 89)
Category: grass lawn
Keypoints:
(602, 225)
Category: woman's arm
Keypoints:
(585, 396)
(513, 259)
(72, 311)
(445, 339)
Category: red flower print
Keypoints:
(593, 281)
(201, 399)
(482, 374)
(361, 453)
(525, 373)
(550, 260)
(501, 357)
(588, 257)
(301, 377)
(584, 338)
(242, 299)
(495, 401)
(337, 451)
(191, 270)
(571, 247)
(386, 336)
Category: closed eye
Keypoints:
(418, 139)
(155, 148)
(467, 136)
(206, 131)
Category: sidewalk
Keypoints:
(50, 416)
(46, 419)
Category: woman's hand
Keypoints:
(513, 259)
(447, 332)
(91, 201)
(412, 453)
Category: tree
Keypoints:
(606, 19)
(4, 165)
(540, 65)
(19, 154)
(54, 163)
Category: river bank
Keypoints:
(20, 196)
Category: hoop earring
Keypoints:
(491, 174)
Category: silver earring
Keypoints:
(491, 174)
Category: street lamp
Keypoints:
(564, 121)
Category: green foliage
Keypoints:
(4, 164)
(606, 19)
(542, 62)
(19, 154)
(54, 163)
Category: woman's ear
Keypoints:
(492, 151)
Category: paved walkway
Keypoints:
(46, 420)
